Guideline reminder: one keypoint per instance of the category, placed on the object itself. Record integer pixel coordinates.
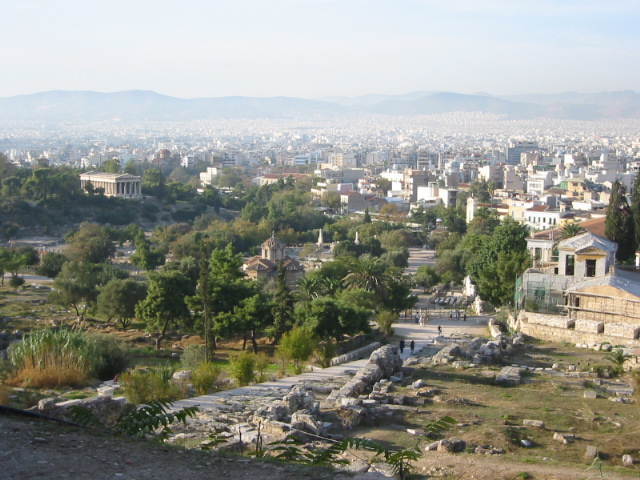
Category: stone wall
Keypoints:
(558, 328)
(558, 321)
(355, 354)
(553, 334)
(623, 330)
(589, 326)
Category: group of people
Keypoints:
(456, 316)
(412, 344)
(421, 319)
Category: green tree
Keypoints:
(51, 264)
(38, 186)
(327, 317)
(308, 288)
(283, 305)
(76, 286)
(501, 258)
(11, 185)
(153, 183)
(571, 230)
(111, 165)
(368, 273)
(220, 292)
(252, 317)
(118, 299)
(426, 277)
(331, 200)
(91, 244)
(297, 345)
(12, 260)
(619, 224)
(131, 167)
(165, 306)
(145, 256)
(399, 295)
(484, 221)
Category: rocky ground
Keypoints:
(31, 449)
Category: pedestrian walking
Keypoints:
(412, 345)
(401, 346)
(464, 317)
(439, 330)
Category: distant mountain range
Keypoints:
(138, 105)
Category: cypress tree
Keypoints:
(619, 225)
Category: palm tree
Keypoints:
(571, 230)
(368, 273)
(308, 289)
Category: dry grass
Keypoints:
(48, 377)
(5, 396)
(493, 415)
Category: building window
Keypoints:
(570, 265)
(590, 268)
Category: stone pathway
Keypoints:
(423, 336)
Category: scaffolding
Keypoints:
(543, 293)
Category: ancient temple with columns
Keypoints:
(122, 185)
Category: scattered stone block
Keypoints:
(533, 423)
(418, 384)
(182, 375)
(452, 445)
(564, 437)
(415, 431)
(355, 465)
(590, 394)
(591, 452)
(432, 446)
(627, 460)
(508, 376)
(526, 443)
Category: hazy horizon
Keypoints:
(366, 94)
(320, 48)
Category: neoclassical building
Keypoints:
(266, 264)
(122, 185)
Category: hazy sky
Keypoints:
(315, 48)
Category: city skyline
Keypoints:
(320, 48)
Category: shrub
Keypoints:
(16, 281)
(262, 363)
(297, 345)
(143, 386)
(111, 357)
(385, 319)
(192, 357)
(241, 367)
(325, 352)
(51, 359)
(204, 377)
